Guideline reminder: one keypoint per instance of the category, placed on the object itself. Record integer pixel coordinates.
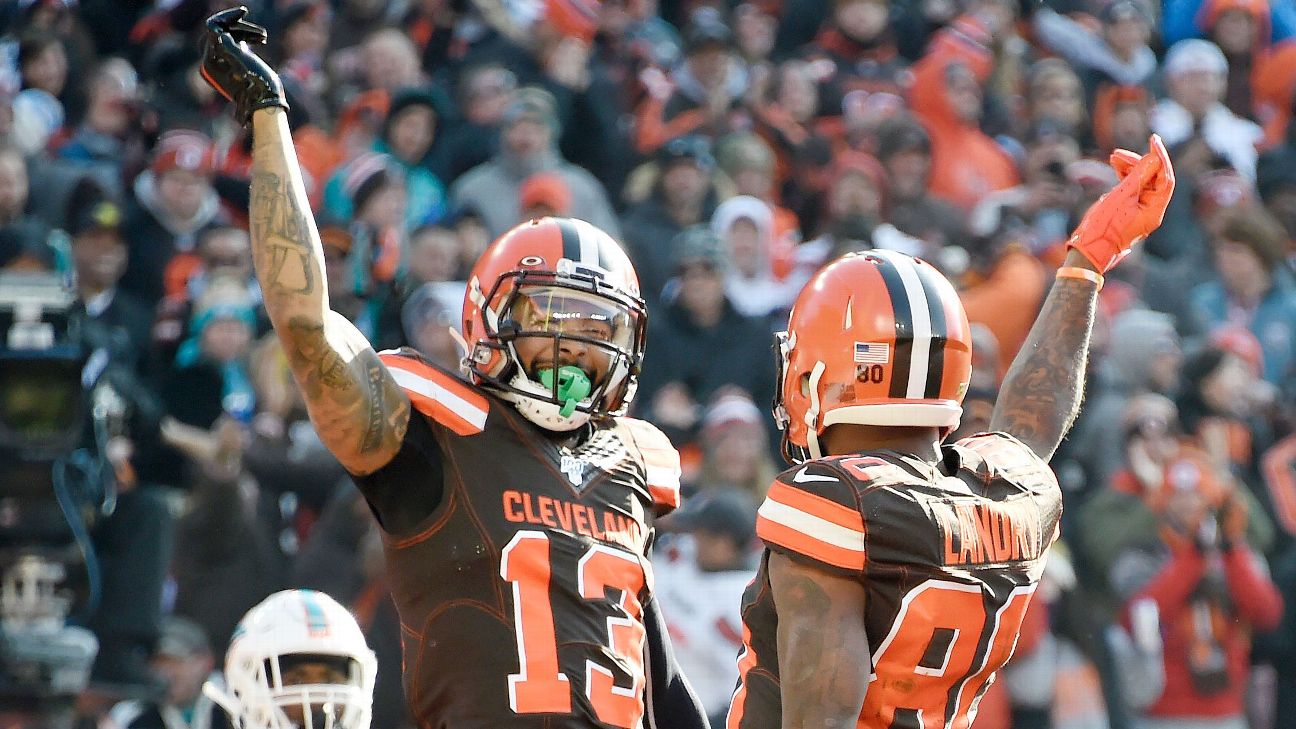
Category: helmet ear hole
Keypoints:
(804, 382)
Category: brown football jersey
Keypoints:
(520, 594)
(948, 564)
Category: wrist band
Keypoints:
(1083, 274)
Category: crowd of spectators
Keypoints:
(733, 148)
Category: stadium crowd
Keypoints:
(733, 148)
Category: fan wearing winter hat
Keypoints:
(529, 145)
(210, 377)
(408, 135)
(735, 445)
(174, 202)
(99, 260)
(1145, 358)
(1196, 72)
(544, 195)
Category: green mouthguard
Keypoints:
(573, 386)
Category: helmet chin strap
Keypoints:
(812, 414)
(544, 413)
(459, 341)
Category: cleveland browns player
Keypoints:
(897, 569)
(516, 503)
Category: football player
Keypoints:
(297, 660)
(897, 569)
(516, 502)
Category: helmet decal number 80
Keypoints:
(870, 373)
(540, 687)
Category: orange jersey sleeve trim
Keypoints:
(812, 526)
(775, 532)
(449, 401)
(746, 662)
(817, 506)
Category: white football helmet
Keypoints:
(287, 629)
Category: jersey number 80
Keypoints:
(931, 669)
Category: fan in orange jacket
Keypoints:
(966, 163)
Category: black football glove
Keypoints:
(231, 67)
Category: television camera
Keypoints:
(58, 414)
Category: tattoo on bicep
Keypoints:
(357, 402)
(374, 421)
(324, 366)
(821, 683)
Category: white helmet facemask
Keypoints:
(268, 702)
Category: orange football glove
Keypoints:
(1130, 211)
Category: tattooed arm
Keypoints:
(824, 658)
(357, 408)
(1041, 393)
(1040, 396)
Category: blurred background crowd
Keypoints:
(733, 148)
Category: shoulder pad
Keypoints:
(1001, 455)
(660, 459)
(441, 396)
(812, 510)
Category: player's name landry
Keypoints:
(981, 533)
(600, 524)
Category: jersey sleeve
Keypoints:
(409, 487)
(812, 514)
(661, 463)
(444, 398)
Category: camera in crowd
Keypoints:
(56, 413)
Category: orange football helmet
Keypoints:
(875, 338)
(559, 279)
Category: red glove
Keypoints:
(1130, 211)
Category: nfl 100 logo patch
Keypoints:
(872, 352)
(574, 468)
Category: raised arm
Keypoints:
(1041, 393)
(357, 408)
(1040, 396)
(823, 651)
